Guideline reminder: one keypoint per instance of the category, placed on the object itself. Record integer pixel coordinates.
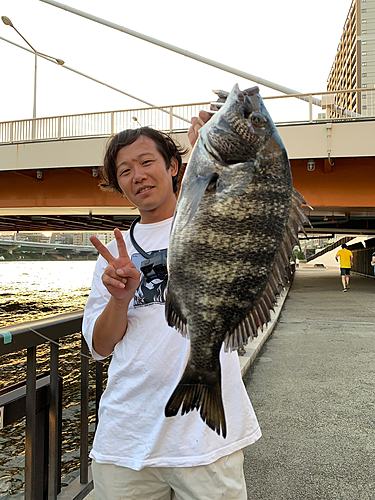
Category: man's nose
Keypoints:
(139, 174)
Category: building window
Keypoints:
(364, 96)
(364, 10)
(364, 107)
(364, 85)
(364, 42)
(364, 20)
(364, 74)
(364, 32)
(364, 64)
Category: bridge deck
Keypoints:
(50, 183)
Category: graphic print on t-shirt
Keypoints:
(152, 292)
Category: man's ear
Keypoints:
(174, 166)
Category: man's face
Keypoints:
(145, 181)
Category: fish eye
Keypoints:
(257, 120)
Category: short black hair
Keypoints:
(344, 245)
(166, 146)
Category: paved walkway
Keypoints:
(313, 390)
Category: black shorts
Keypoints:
(345, 270)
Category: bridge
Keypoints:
(41, 247)
(49, 166)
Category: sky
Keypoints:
(292, 43)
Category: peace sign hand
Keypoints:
(121, 278)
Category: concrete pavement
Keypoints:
(313, 390)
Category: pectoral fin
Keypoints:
(188, 204)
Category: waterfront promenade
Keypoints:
(312, 385)
(313, 390)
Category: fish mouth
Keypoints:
(248, 106)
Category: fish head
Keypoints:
(242, 129)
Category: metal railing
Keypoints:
(284, 109)
(362, 260)
(28, 336)
(330, 247)
(168, 119)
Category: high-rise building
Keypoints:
(104, 237)
(354, 64)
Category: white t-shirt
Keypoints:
(146, 366)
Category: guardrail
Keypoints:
(330, 247)
(362, 259)
(169, 118)
(336, 105)
(28, 336)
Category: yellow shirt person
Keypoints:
(346, 262)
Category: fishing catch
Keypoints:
(236, 222)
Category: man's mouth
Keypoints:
(144, 189)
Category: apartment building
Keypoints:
(84, 238)
(354, 64)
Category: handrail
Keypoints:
(165, 118)
(33, 333)
(330, 247)
(28, 336)
(169, 118)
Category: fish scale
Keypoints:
(236, 222)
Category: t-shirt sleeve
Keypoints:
(98, 299)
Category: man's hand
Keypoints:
(121, 277)
(196, 124)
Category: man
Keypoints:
(346, 262)
(138, 453)
(373, 261)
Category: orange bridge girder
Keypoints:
(348, 184)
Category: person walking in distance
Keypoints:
(138, 453)
(346, 262)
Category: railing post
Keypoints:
(59, 128)
(112, 122)
(33, 126)
(54, 449)
(170, 119)
(310, 108)
(30, 448)
(84, 477)
(98, 388)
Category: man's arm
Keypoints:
(121, 278)
(110, 327)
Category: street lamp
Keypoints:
(60, 62)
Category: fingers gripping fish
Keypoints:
(236, 222)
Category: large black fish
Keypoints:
(235, 225)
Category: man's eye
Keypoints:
(147, 162)
(124, 172)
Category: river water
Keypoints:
(34, 290)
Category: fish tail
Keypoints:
(197, 390)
